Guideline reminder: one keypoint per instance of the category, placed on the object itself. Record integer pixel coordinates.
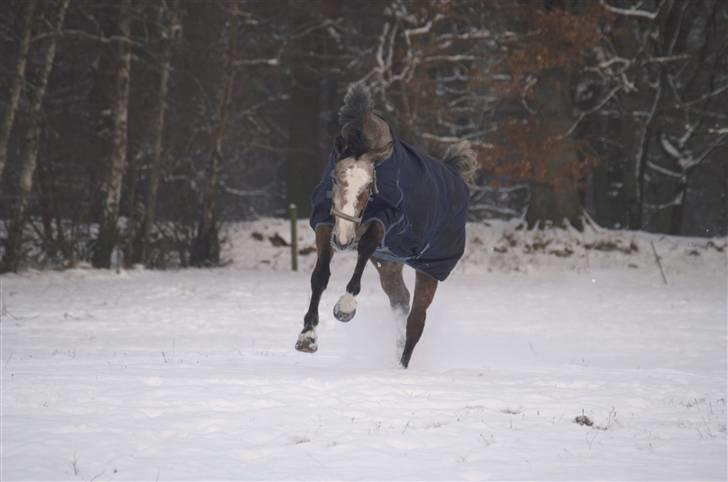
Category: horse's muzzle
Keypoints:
(341, 247)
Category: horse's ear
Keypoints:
(340, 145)
(379, 155)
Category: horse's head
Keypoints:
(353, 184)
(365, 140)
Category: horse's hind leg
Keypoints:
(425, 287)
(390, 277)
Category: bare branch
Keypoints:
(630, 12)
(676, 201)
(69, 33)
(452, 139)
(690, 163)
(665, 171)
(273, 62)
(582, 115)
(717, 91)
(450, 58)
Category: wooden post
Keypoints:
(659, 264)
(294, 237)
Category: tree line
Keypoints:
(131, 130)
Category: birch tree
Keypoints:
(31, 146)
(17, 82)
(117, 161)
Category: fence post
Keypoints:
(294, 237)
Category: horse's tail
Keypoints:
(463, 159)
(357, 103)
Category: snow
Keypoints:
(192, 375)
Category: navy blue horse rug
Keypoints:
(422, 203)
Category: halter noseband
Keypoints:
(342, 215)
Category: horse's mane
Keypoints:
(363, 129)
(357, 103)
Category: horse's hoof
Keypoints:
(345, 308)
(307, 342)
(343, 316)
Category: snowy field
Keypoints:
(192, 375)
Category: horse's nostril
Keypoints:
(341, 246)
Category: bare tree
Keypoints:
(17, 83)
(304, 131)
(117, 162)
(665, 74)
(29, 156)
(169, 25)
(425, 69)
(206, 247)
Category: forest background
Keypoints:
(131, 130)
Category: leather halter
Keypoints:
(342, 215)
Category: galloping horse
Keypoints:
(397, 206)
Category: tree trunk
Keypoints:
(155, 163)
(46, 206)
(206, 247)
(303, 142)
(128, 240)
(553, 205)
(678, 211)
(555, 200)
(29, 156)
(303, 167)
(665, 35)
(17, 84)
(117, 163)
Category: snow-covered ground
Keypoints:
(192, 374)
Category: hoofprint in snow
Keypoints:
(192, 374)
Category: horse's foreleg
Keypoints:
(425, 286)
(307, 340)
(345, 308)
(390, 277)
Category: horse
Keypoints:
(396, 207)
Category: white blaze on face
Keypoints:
(353, 177)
